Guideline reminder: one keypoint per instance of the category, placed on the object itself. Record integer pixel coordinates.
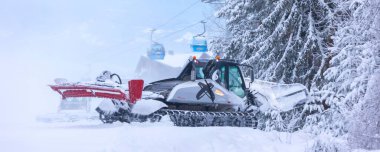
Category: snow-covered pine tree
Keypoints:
(364, 130)
(355, 56)
(356, 42)
(285, 40)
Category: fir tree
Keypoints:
(285, 40)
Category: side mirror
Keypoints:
(193, 75)
(215, 75)
(252, 76)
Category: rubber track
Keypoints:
(200, 118)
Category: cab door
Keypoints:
(235, 82)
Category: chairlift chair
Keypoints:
(199, 42)
(156, 51)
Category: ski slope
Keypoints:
(93, 136)
(20, 133)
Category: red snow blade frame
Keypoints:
(83, 90)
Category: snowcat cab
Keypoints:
(207, 85)
(225, 72)
(228, 74)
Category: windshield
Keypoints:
(186, 73)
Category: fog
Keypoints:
(41, 40)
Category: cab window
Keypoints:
(199, 71)
(186, 73)
(222, 76)
(235, 81)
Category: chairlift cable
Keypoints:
(180, 30)
(179, 14)
(168, 35)
(189, 26)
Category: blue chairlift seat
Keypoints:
(199, 44)
(156, 51)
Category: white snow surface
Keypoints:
(68, 116)
(146, 107)
(108, 106)
(19, 130)
(92, 136)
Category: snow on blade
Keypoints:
(145, 107)
(280, 96)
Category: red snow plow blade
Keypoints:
(72, 91)
(83, 90)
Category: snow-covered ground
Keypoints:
(27, 95)
(21, 132)
(92, 136)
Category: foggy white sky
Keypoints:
(75, 39)
(93, 32)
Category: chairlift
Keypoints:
(199, 42)
(156, 50)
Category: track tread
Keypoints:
(204, 118)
